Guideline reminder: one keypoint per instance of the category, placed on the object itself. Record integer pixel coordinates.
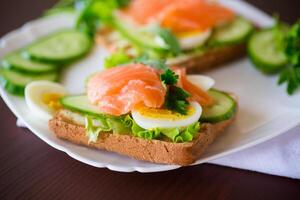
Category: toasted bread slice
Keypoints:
(210, 59)
(156, 151)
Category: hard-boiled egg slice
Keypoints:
(149, 118)
(193, 40)
(204, 82)
(42, 98)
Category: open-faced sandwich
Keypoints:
(144, 110)
(191, 33)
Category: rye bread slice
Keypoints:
(156, 151)
(214, 58)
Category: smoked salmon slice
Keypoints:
(179, 15)
(118, 90)
(197, 93)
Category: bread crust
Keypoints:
(214, 57)
(156, 151)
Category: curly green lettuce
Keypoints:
(176, 135)
(126, 125)
(104, 124)
(92, 131)
(116, 59)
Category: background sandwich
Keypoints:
(193, 33)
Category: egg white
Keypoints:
(147, 122)
(34, 92)
(191, 41)
(204, 82)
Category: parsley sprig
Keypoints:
(291, 74)
(169, 77)
(176, 97)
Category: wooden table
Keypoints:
(31, 169)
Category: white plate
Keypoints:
(265, 109)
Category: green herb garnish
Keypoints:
(291, 74)
(169, 77)
(94, 13)
(176, 99)
(170, 40)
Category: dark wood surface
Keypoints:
(30, 169)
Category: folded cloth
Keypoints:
(278, 156)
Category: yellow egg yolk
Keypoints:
(164, 113)
(188, 34)
(52, 100)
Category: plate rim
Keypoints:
(159, 168)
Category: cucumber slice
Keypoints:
(263, 52)
(139, 39)
(16, 62)
(60, 47)
(233, 33)
(223, 109)
(80, 104)
(15, 82)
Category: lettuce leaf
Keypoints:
(175, 134)
(189, 133)
(118, 126)
(138, 131)
(115, 59)
(126, 125)
(185, 135)
(104, 124)
(148, 134)
(96, 13)
(92, 131)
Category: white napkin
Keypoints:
(278, 156)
